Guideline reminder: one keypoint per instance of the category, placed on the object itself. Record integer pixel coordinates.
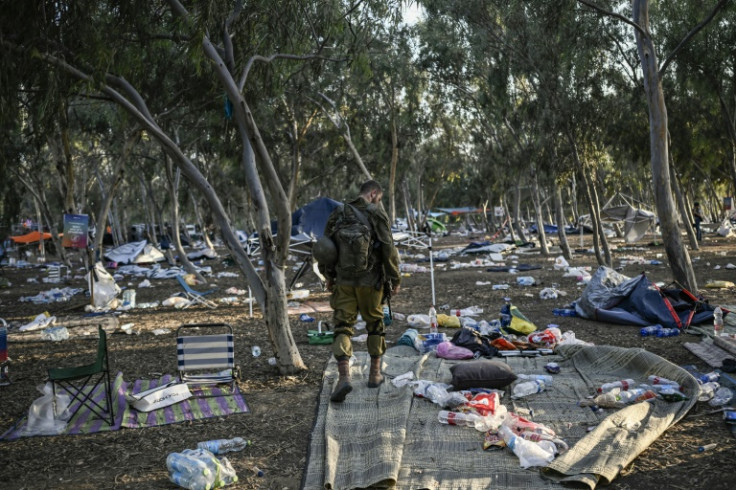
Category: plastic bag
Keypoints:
(568, 338)
(561, 263)
(418, 321)
(103, 286)
(42, 421)
(448, 350)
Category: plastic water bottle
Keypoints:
(222, 446)
(545, 378)
(387, 320)
(188, 465)
(433, 320)
(717, 321)
(192, 482)
(529, 453)
(634, 394)
(708, 391)
(668, 332)
(707, 378)
(458, 418)
(256, 351)
(624, 385)
(651, 330)
(528, 388)
(722, 396)
(656, 380)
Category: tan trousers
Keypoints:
(347, 301)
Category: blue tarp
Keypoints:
(612, 298)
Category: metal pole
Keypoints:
(431, 268)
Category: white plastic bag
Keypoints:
(561, 264)
(103, 287)
(43, 420)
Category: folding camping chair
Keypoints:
(77, 381)
(55, 273)
(195, 296)
(201, 352)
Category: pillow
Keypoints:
(481, 374)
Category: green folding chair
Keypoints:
(78, 382)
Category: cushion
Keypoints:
(482, 373)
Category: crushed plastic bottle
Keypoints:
(527, 388)
(708, 391)
(668, 332)
(623, 385)
(222, 446)
(650, 331)
(529, 453)
(722, 396)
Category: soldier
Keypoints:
(359, 262)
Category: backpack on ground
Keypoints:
(353, 236)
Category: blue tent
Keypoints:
(310, 219)
(613, 298)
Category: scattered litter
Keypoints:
(41, 321)
(145, 284)
(236, 291)
(403, 379)
(55, 295)
(55, 334)
(161, 331)
(548, 293)
(226, 274)
(176, 302)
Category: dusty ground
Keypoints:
(283, 408)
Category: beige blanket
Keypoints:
(386, 437)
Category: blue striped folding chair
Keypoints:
(206, 358)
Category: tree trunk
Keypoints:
(561, 224)
(173, 186)
(677, 254)
(685, 213)
(601, 231)
(392, 170)
(517, 222)
(541, 234)
(593, 216)
(41, 241)
(102, 213)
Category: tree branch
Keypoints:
(615, 16)
(690, 35)
(269, 59)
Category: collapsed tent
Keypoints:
(636, 221)
(614, 298)
(310, 219)
(135, 253)
(486, 246)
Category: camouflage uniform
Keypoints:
(363, 292)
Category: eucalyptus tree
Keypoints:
(232, 47)
(706, 91)
(653, 73)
